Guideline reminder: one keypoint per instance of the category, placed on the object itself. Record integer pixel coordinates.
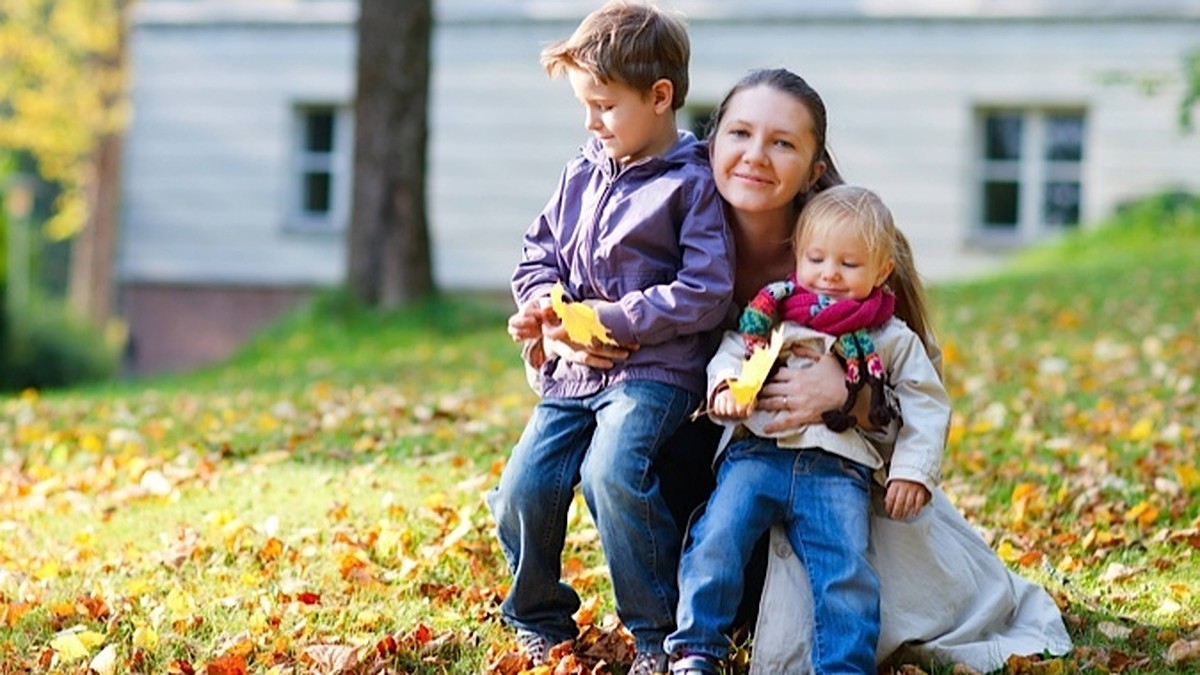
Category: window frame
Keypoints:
(1032, 170)
(302, 161)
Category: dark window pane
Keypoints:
(1062, 204)
(316, 192)
(701, 116)
(1003, 136)
(1000, 199)
(1064, 137)
(318, 133)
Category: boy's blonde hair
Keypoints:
(627, 42)
(869, 219)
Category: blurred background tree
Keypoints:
(63, 106)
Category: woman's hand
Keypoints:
(802, 394)
(905, 499)
(556, 343)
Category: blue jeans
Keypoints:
(607, 442)
(823, 500)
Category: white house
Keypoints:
(983, 123)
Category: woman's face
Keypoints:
(763, 152)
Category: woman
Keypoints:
(945, 596)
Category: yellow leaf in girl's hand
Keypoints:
(755, 371)
(579, 319)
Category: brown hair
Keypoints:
(787, 82)
(904, 280)
(626, 42)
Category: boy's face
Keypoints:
(626, 121)
(835, 262)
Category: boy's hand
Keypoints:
(905, 499)
(526, 323)
(724, 405)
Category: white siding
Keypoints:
(208, 152)
(207, 165)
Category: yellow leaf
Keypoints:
(90, 638)
(69, 647)
(145, 637)
(1143, 513)
(1007, 552)
(1189, 476)
(579, 319)
(1141, 430)
(180, 604)
(755, 371)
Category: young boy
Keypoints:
(815, 480)
(635, 229)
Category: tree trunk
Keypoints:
(90, 285)
(389, 252)
(90, 277)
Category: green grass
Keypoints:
(325, 485)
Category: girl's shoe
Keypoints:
(696, 664)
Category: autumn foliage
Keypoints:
(316, 505)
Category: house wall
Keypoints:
(208, 170)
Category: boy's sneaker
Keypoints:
(696, 664)
(535, 645)
(649, 663)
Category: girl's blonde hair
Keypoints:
(869, 219)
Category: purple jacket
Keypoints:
(650, 243)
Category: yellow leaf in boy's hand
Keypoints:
(755, 371)
(580, 320)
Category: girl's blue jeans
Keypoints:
(607, 442)
(823, 500)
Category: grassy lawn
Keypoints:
(317, 502)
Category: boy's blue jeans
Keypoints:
(607, 442)
(823, 500)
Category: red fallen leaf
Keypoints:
(229, 664)
(387, 646)
(419, 636)
(308, 598)
(180, 667)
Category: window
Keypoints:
(320, 186)
(696, 119)
(1030, 169)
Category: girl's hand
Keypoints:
(556, 343)
(725, 406)
(905, 499)
(802, 394)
